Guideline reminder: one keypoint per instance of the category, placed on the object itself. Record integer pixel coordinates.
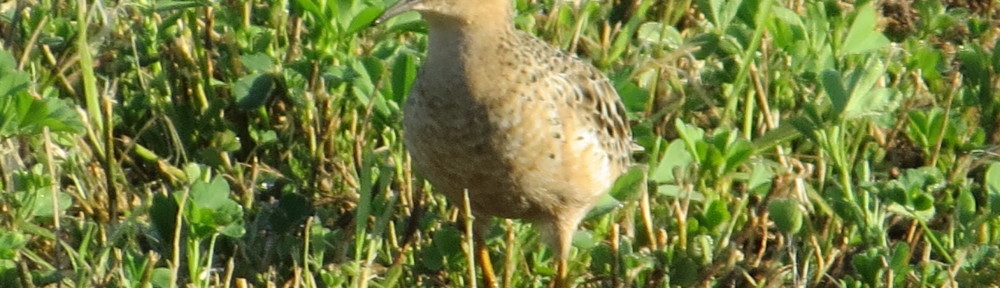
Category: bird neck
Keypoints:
(452, 41)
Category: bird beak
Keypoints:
(401, 6)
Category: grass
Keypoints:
(257, 143)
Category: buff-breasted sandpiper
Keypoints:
(526, 130)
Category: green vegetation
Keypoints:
(233, 143)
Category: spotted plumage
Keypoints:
(526, 130)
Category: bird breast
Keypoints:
(520, 151)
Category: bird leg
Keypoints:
(481, 226)
(562, 241)
(561, 281)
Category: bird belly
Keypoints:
(511, 166)
(455, 151)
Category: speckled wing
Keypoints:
(590, 94)
(595, 96)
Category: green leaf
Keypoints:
(875, 102)
(263, 136)
(996, 56)
(770, 139)
(161, 278)
(252, 91)
(257, 62)
(447, 241)
(22, 114)
(675, 157)
(692, 136)
(716, 214)
(966, 205)
(11, 242)
(293, 210)
(210, 195)
(923, 202)
(658, 33)
(804, 126)
(720, 12)
(737, 152)
(601, 259)
(163, 215)
(43, 202)
(900, 257)
(230, 217)
(786, 214)
(363, 19)
(170, 5)
(430, 259)
(834, 87)
(992, 182)
(584, 239)
(787, 27)
(760, 180)
(404, 73)
(869, 265)
(865, 97)
(633, 97)
(863, 35)
(629, 184)
(707, 43)
(11, 80)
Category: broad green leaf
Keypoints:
(11, 80)
(674, 157)
(965, 203)
(43, 202)
(602, 259)
(805, 126)
(716, 214)
(658, 33)
(11, 242)
(834, 87)
(404, 73)
(447, 242)
(923, 202)
(786, 214)
(257, 62)
(633, 97)
(875, 102)
(869, 265)
(363, 20)
(629, 184)
(252, 91)
(900, 257)
(163, 215)
(210, 195)
(707, 44)
(996, 56)
(787, 16)
(760, 179)
(992, 182)
(736, 153)
(782, 134)
(584, 239)
(864, 35)
(230, 217)
(170, 5)
(161, 278)
(692, 136)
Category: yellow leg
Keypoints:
(480, 228)
(489, 278)
(560, 281)
(563, 242)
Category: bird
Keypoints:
(523, 129)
